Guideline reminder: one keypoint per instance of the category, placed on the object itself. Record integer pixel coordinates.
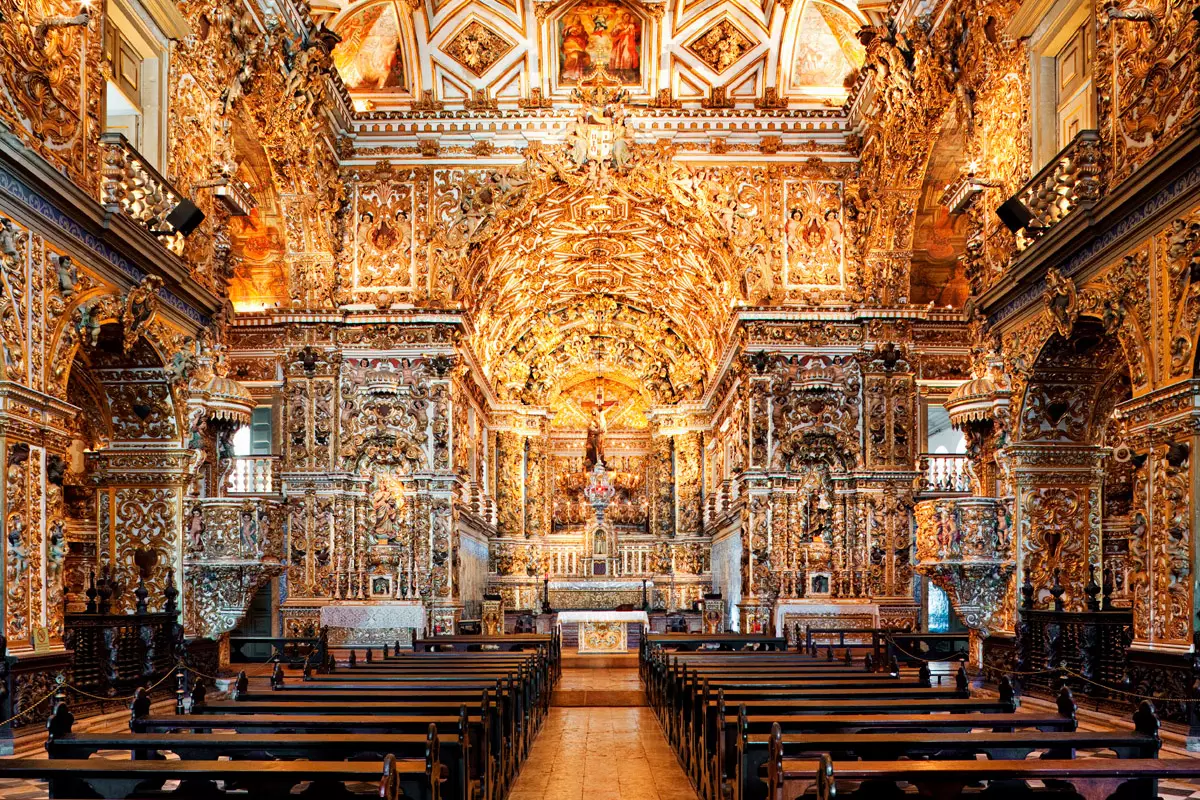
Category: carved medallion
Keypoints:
(721, 46)
(477, 47)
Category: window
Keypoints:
(135, 60)
(255, 439)
(1061, 49)
(938, 609)
(940, 437)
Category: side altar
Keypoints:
(358, 623)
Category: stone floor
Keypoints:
(601, 754)
(599, 681)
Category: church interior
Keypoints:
(548, 399)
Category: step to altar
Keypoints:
(597, 698)
(603, 681)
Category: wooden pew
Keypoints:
(695, 721)
(475, 643)
(461, 772)
(1089, 778)
(665, 679)
(511, 709)
(754, 751)
(266, 780)
(477, 728)
(692, 711)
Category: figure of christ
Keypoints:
(597, 430)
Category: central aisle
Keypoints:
(601, 753)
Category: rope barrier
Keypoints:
(1059, 670)
(151, 688)
(62, 685)
(951, 657)
(16, 717)
(1002, 671)
(1131, 694)
(195, 671)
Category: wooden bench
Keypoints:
(521, 700)
(503, 716)
(754, 751)
(267, 780)
(712, 641)
(1087, 778)
(696, 729)
(482, 728)
(462, 773)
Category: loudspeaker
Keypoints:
(185, 217)
(1014, 214)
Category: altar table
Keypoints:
(604, 631)
(367, 622)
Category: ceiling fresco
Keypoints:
(825, 48)
(939, 237)
(370, 57)
(463, 47)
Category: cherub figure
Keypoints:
(56, 549)
(8, 241)
(88, 326)
(68, 274)
(17, 554)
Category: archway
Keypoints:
(126, 456)
(1066, 415)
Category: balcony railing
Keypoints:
(134, 188)
(1069, 181)
(253, 475)
(945, 474)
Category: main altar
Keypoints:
(602, 631)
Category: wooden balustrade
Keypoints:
(253, 475)
(113, 654)
(131, 186)
(1091, 644)
(1071, 180)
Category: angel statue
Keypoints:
(88, 325)
(67, 273)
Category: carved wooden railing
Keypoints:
(1071, 180)
(291, 650)
(131, 186)
(116, 653)
(253, 475)
(1088, 647)
(945, 474)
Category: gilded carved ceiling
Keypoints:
(392, 51)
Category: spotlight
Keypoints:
(1015, 215)
(185, 217)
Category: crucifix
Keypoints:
(597, 427)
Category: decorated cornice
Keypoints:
(1172, 406)
(115, 246)
(1087, 241)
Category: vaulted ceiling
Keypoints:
(393, 51)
